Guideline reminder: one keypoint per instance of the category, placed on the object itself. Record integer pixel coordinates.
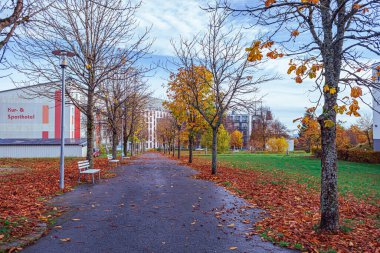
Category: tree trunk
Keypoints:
(369, 139)
(179, 147)
(214, 149)
(164, 148)
(132, 147)
(125, 141)
(329, 184)
(90, 128)
(191, 141)
(114, 143)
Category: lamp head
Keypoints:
(63, 54)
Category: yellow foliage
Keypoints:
(340, 109)
(181, 94)
(329, 123)
(255, 53)
(277, 144)
(326, 88)
(236, 139)
(312, 75)
(332, 90)
(301, 70)
(310, 1)
(292, 68)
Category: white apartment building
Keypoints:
(153, 112)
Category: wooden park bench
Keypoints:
(111, 160)
(83, 167)
(125, 157)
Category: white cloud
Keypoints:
(170, 19)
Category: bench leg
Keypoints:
(99, 175)
(93, 180)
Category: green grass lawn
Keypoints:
(358, 178)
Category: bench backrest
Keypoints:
(83, 165)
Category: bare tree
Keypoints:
(133, 114)
(115, 92)
(103, 36)
(334, 36)
(366, 125)
(166, 132)
(15, 13)
(221, 51)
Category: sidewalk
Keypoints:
(153, 206)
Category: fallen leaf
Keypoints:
(233, 248)
(1, 236)
(75, 219)
(65, 239)
(231, 225)
(57, 226)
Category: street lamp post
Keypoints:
(63, 63)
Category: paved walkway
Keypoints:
(154, 205)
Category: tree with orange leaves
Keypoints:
(326, 40)
(309, 132)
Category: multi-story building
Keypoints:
(376, 107)
(153, 112)
(241, 122)
(25, 114)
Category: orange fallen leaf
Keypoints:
(233, 248)
(65, 239)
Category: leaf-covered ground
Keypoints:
(293, 206)
(25, 187)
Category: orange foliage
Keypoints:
(26, 189)
(294, 209)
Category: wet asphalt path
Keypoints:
(153, 205)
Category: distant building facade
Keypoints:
(376, 106)
(153, 112)
(241, 122)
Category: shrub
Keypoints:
(360, 156)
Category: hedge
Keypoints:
(360, 156)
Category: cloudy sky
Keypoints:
(174, 18)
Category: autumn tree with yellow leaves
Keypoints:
(236, 140)
(328, 41)
(180, 94)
